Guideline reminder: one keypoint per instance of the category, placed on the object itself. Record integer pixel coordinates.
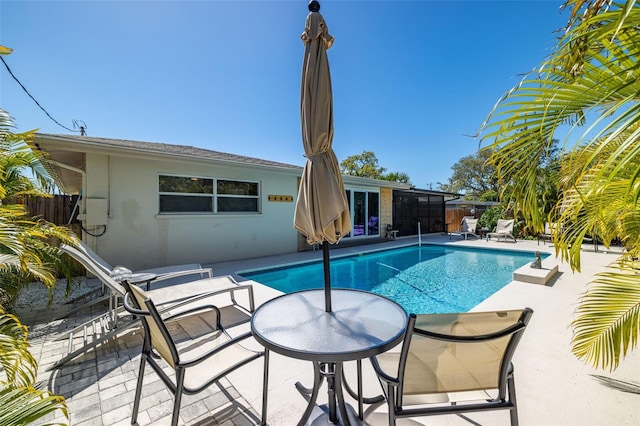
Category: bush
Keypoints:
(489, 218)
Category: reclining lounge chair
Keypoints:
(469, 225)
(164, 273)
(504, 230)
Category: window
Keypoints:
(235, 196)
(185, 194)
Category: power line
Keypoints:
(34, 99)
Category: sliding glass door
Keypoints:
(365, 213)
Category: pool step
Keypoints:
(540, 276)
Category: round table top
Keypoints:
(361, 325)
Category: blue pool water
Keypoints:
(426, 279)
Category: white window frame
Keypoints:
(351, 192)
(214, 196)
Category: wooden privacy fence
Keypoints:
(454, 218)
(57, 209)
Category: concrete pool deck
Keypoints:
(553, 387)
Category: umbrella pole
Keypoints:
(327, 276)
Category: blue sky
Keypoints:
(410, 78)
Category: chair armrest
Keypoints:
(381, 374)
(197, 309)
(132, 309)
(213, 351)
(208, 272)
(190, 299)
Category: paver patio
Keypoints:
(553, 387)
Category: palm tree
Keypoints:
(25, 255)
(588, 87)
(25, 252)
(20, 402)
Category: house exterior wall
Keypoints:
(119, 208)
(385, 200)
(138, 237)
(386, 209)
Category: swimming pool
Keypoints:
(425, 279)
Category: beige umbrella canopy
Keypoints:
(322, 209)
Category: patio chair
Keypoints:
(392, 234)
(469, 225)
(452, 364)
(200, 354)
(115, 319)
(504, 230)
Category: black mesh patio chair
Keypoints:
(452, 364)
(199, 358)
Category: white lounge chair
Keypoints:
(163, 273)
(469, 225)
(116, 320)
(162, 276)
(504, 230)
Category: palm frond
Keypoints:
(18, 365)
(589, 88)
(608, 321)
(26, 405)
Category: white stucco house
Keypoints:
(148, 204)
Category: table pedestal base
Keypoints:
(320, 417)
(336, 411)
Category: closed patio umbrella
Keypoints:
(322, 209)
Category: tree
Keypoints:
(25, 252)
(544, 177)
(25, 256)
(366, 165)
(473, 176)
(363, 165)
(396, 177)
(589, 81)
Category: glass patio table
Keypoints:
(361, 325)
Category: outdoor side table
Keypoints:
(361, 325)
(142, 278)
(483, 232)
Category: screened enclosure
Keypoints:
(411, 207)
